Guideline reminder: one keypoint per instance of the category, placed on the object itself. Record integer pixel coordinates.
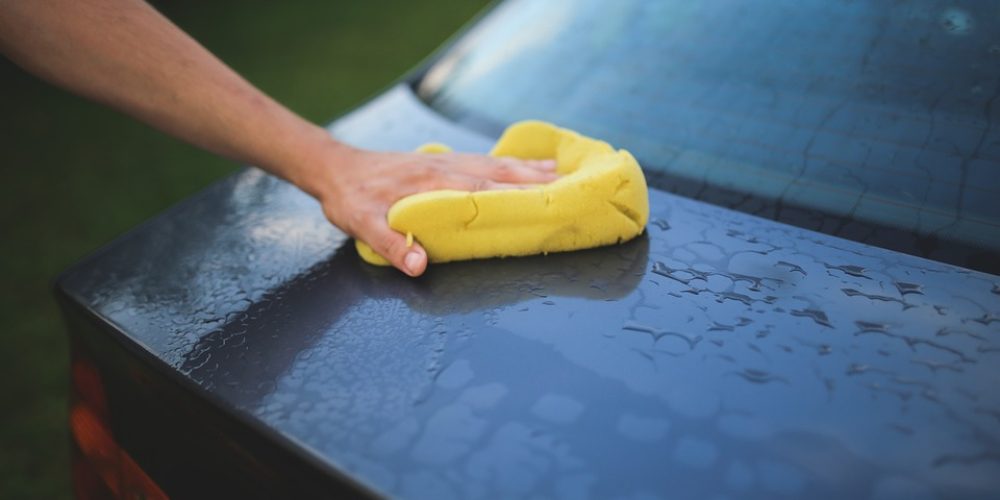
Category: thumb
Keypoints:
(392, 246)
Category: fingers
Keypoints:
(544, 165)
(505, 169)
(362, 188)
(448, 180)
(474, 184)
(519, 171)
(410, 258)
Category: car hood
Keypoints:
(719, 353)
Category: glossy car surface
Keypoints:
(720, 354)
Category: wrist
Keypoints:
(315, 169)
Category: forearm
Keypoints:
(127, 55)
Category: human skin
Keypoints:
(125, 54)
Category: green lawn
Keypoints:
(75, 175)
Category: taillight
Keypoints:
(101, 468)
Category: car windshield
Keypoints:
(876, 121)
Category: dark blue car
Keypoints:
(812, 312)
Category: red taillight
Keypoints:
(101, 468)
(87, 387)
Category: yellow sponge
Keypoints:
(600, 199)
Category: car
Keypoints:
(813, 310)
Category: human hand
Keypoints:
(357, 187)
(145, 66)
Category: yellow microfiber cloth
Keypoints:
(600, 199)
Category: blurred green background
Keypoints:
(75, 175)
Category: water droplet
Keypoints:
(882, 329)
(815, 314)
(657, 334)
(739, 297)
(934, 366)
(850, 292)
(716, 326)
(662, 224)
(905, 288)
(861, 369)
(850, 270)
(795, 268)
(856, 369)
(760, 376)
(946, 332)
(985, 319)
(870, 326)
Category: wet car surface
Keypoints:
(718, 355)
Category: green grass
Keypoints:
(75, 175)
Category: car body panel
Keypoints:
(719, 353)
